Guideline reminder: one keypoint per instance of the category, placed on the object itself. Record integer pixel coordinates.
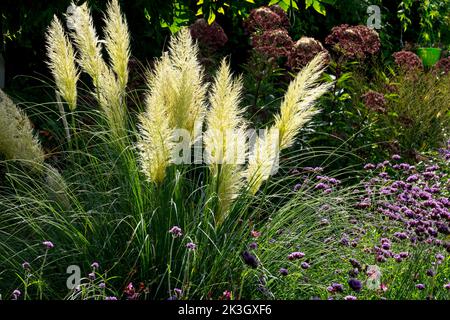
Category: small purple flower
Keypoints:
(250, 259)
(396, 157)
(102, 285)
(48, 244)
(296, 255)
(16, 294)
(447, 286)
(26, 265)
(178, 292)
(355, 284)
(439, 256)
(191, 246)
(176, 231)
(91, 276)
(420, 286)
(337, 287)
(111, 298)
(431, 273)
(305, 265)
(95, 265)
(253, 246)
(227, 295)
(350, 298)
(369, 166)
(284, 271)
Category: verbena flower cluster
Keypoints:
(408, 61)
(210, 36)
(354, 42)
(375, 101)
(414, 196)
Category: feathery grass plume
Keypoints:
(109, 94)
(109, 89)
(263, 159)
(297, 108)
(187, 98)
(225, 138)
(156, 141)
(89, 48)
(62, 62)
(16, 135)
(57, 186)
(117, 40)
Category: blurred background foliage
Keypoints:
(23, 24)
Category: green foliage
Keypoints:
(433, 15)
(418, 113)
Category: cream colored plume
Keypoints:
(109, 94)
(117, 40)
(188, 92)
(79, 21)
(297, 108)
(16, 135)
(62, 63)
(176, 100)
(225, 138)
(110, 83)
(156, 141)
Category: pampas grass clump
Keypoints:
(17, 140)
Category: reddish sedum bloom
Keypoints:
(408, 61)
(375, 101)
(443, 66)
(303, 51)
(354, 42)
(263, 19)
(282, 14)
(273, 43)
(209, 36)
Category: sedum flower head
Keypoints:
(62, 62)
(16, 135)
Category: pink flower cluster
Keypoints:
(354, 42)
(270, 38)
(375, 101)
(209, 36)
(408, 61)
(266, 18)
(303, 51)
(273, 43)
